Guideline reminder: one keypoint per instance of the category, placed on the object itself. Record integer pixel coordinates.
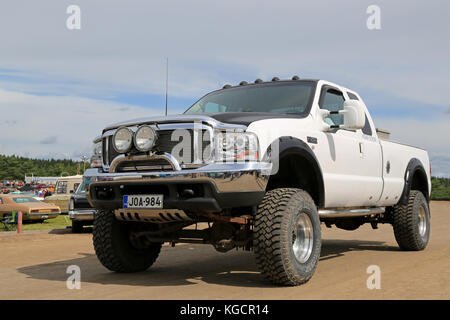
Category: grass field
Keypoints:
(59, 222)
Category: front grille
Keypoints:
(164, 144)
(184, 154)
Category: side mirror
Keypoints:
(71, 191)
(354, 116)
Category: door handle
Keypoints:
(361, 149)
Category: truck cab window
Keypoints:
(367, 129)
(333, 100)
(352, 96)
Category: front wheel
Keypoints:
(114, 248)
(287, 236)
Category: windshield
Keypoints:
(29, 194)
(81, 189)
(24, 200)
(281, 98)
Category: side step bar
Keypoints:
(346, 213)
(174, 215)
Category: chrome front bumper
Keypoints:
(227, 181)
(82, 215)
(227, 177)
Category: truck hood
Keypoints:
(223, 120)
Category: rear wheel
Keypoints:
(114, 248)
(411, 222)
(287, 236)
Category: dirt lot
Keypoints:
(33, 266)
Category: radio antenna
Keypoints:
(167, 80)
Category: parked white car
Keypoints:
(264, 163)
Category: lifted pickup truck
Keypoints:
(255, 166)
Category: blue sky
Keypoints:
(59, 87)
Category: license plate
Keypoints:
(143, 201)
(44, 216)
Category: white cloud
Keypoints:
(122, 45)
(57, 126)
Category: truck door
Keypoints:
(350, 177)
(371, 158)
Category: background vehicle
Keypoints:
(64, 188)
(80, 211)
(28, 194)
(264, 164)
(31, 208)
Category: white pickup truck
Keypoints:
(255, 166)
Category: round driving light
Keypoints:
(122, 140)
(145, 138)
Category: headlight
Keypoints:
(96, 157)
(234, 147)
(71, 205)
(97, 149)
(144, 138)
(122, 140)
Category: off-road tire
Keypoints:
(114, 248)
(406, 223)
(274, 236)
(77, 226)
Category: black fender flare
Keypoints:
(290, 145)
(414, 166)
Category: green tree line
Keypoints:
(440, 188)
(15, 168)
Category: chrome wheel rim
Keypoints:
(302, 238)
(422, 221)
